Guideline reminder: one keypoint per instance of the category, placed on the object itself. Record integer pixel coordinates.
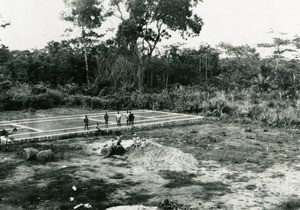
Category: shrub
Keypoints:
(5, 85)
(143, 101)
(291, 204)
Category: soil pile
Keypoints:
(157, 157)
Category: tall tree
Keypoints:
(279, 46)
(150, 21)
(87, 15)
(239, 66)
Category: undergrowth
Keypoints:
(271, 108)
(291, 204)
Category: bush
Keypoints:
(291, 204)
(5, 85)
(142, 101)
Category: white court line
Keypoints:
(46, 118)
(170, 118)
(144, 116)
(29, 128)
(174, 113)
(167, 115)
(71, 117)
(65, 117)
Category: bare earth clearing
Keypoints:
(213, 165)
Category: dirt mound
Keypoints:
(157, 157)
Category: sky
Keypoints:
(36, 22)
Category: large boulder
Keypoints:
(29, 153)
(45, 155)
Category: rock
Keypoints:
(45, 156)
(29, 153)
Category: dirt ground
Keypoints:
(212, 165)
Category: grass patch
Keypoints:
(131, 197)
(118, 176)
(129, 183)
(118, 164)
(139, 197)
(183, 179)
(7, 169)
(178, 178)
(214, 186)
(212, 189)
(170, 205)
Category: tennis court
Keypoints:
(56, 127)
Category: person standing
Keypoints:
(127, 118)
(106, 119)
(86, 123)
(118, 119)
(131, 119)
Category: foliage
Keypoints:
(151, 21)
(290, 204)
(170, 205)
(87, 16)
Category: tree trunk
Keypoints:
(167, 81)
(206, 69)
(86, 64)
(141, 78)
(151, 79)
(199, 69)
(276, 66)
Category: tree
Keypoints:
(4, 54)
(18, 65)
(150, 21)
(280, 46)
(239, 66)
(86, 15)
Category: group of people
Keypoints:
(128, 115)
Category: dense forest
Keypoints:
(131, 70)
